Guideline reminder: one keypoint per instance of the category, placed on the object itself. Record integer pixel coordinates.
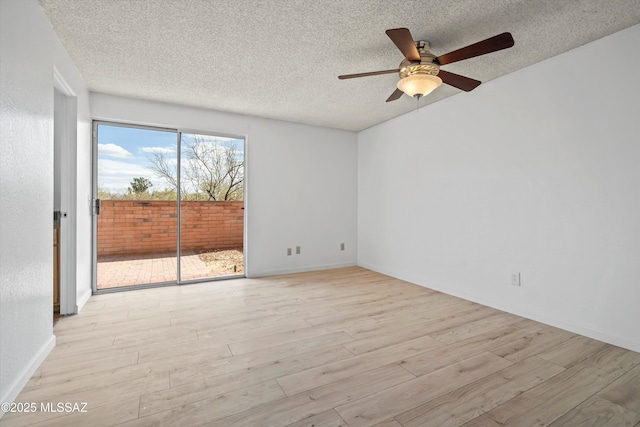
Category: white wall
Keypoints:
(537, 172)
(301, 182)
(29, 50)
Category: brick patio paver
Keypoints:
(117, 271)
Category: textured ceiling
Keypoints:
(280, 59)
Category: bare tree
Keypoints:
(212, 169)
(164, 168)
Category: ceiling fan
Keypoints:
(420, 71)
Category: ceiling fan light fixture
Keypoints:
(419, 85)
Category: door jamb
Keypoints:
(68, 194)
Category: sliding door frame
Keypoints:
(94, 222)
(182, 131)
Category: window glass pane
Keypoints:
(137, 225)
(212, 206)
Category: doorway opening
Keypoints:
(168, 206)
(64, 216)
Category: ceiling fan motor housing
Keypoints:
(426, 65)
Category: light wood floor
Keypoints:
(345, 347)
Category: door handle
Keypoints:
(96, 206)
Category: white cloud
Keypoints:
(115, 175)
(164, 150)
(113, 150)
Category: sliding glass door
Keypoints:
(211, 206)
(143, 236)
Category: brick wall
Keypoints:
(132, 227)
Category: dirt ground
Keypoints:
(224, 261)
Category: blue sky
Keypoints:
(124, 153)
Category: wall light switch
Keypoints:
(288, 251)
(297, 250)
(342, 246)
(515, 279)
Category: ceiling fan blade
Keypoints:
(371, 73)
(395, 95)
(404, 41)
(456, 80)
(492, 44)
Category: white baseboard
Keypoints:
(301, 269)
(576, 329)
(24, 377)
(83, 300)
(538, 317)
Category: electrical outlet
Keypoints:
(288, 251)
(515, 279)
(342, 246)
(297, 250)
